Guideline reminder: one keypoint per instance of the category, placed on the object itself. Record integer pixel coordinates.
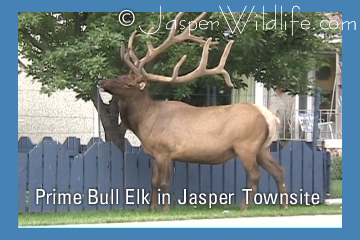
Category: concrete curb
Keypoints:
(313, 221)
(335, 201)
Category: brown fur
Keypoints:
(171, 130)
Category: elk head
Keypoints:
(136, 81)
(124, 86)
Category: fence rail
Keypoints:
(292, 126)
(68, 170)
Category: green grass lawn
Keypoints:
(336, 188)
(175, 213)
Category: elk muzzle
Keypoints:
(101, 85)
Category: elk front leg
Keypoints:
(155, 183)
(160, 178)
(165, 183)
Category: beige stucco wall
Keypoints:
(58, 116)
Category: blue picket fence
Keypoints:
(68, 170)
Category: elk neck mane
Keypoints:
(136, 109)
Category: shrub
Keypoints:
(336, 168)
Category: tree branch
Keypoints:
(42, 46)
(78, 20)
(103, 109)
(22, 66)
(42, 34)
(21, 63)
(76, 24)
(84, 17)
(109, 116)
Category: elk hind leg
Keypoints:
(267, 161)
(248, 160)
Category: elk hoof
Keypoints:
(244, 207)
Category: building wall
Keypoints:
(58, 116)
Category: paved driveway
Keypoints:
(295, 221)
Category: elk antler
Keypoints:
(137, 66)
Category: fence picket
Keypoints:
(217, 179)
(104, 183)
(77, 183)
(91, 178)
(318, 177)
(49, 186)
(229, 178)
(117, 176)
(72, 144)
(25, 144)
(144, 180)
(22, 181)
(35, 177)
(131, 180)
(307, 170)
(194, 181)
(297, 168)
(181, 181)
(63, 176)
(205, 180)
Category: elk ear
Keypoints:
(142, 85)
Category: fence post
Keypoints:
(214, 96)
(98, 111)
(327, 175)
(207, 95)
(316, 117)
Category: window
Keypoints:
(247, 95)
(323, 73)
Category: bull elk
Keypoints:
(173, 130)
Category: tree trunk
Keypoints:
(109, 116)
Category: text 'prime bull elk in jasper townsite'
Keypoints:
(172, 130)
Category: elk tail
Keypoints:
(272, 122)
